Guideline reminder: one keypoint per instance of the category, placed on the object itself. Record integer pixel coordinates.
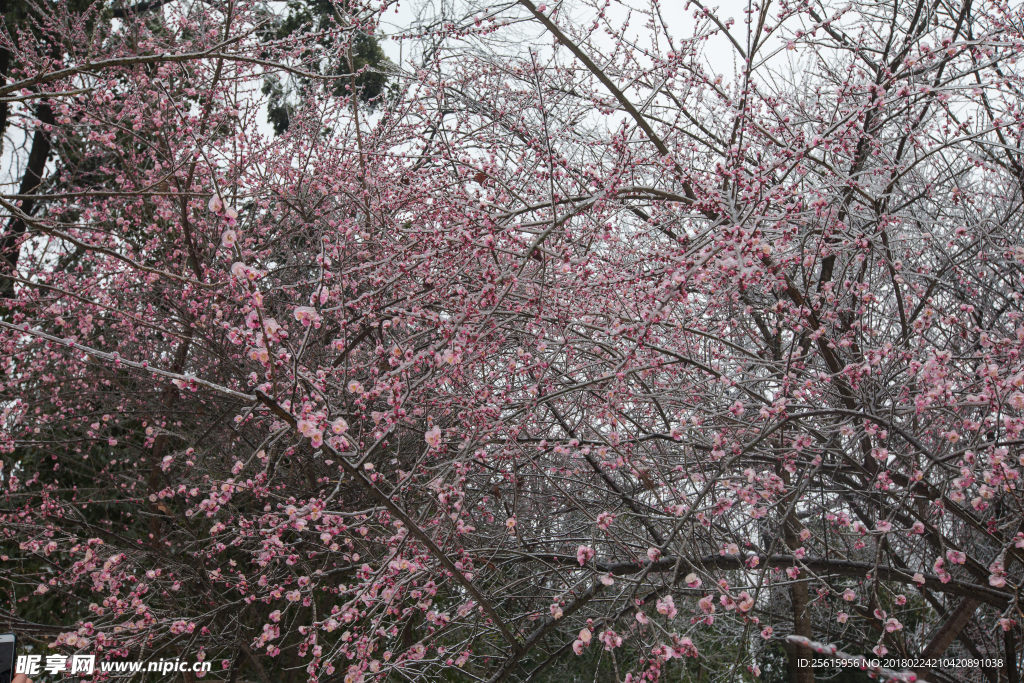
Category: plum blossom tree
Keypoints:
(578, 354)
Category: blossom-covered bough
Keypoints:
(598, 358)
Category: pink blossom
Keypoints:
(306, 315)
(308, 428)
(667, 607)
(706, 604)
(433, 436)
(610, 639)
(685, 646)
(664, 652)
(893, 625)
(584, 554)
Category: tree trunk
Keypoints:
(1010, 653)
(10, 244)
(5, 61)
(800, 596)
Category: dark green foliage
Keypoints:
(366, 54)
(279, 112)
(363, 58)
(774, 663)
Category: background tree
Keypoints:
(362, 66)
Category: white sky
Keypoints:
(718, 54)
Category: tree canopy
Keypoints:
(592, 341)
